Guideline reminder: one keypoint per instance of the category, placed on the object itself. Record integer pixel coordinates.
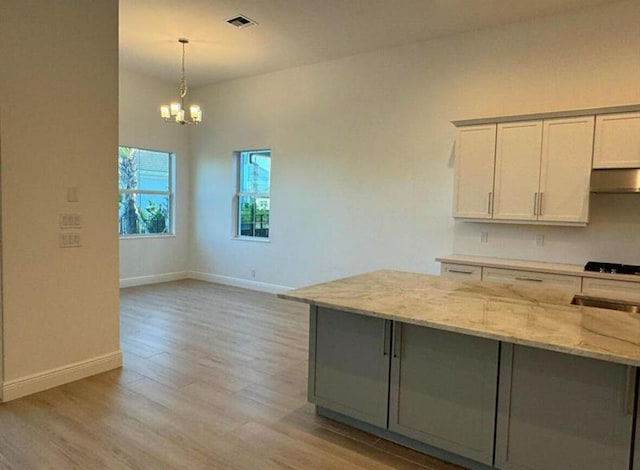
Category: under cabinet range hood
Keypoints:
(624, 180)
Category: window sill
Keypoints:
(252, 239)
(143, 237)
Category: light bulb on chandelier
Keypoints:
(175, 112)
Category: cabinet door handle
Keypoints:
(459, 271)
(489, 203)
(397, 339)
(385, 330)
(630, 390)
(530, 279)
(540, 204)
(535, 203)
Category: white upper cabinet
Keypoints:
(617, 141)
(517, 174)
(474, 162)
(565, 169)
(536, 169)
(543, 170)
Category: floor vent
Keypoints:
(241, 21)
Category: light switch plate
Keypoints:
(70, 220)
(69, 239)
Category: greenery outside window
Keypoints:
(145, 198)
(254, 194)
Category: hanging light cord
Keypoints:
(183, 82)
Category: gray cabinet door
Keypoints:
(563, 412)
(636, 445)
(443, 390)
(349, 364)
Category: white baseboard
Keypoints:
(153, 279)
(60, 375)
(237, 282)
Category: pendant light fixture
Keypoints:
(175, 112)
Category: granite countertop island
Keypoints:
(540, 317)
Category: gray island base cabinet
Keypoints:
(355, 369)
(477, 402)
(443, 390)
(349, 364)
(558, 411)
(482, 374)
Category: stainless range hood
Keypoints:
(624, 180)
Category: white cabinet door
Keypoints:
(461, 271)
(611, 288)
(517, 178)
(565, 169)
(473, 186)
(617, 141)
(531, 278)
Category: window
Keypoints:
(145, 199)
(253, 196)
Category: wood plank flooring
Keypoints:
(214, 377)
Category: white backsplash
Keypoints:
(613, 235)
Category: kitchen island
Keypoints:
(486, 375)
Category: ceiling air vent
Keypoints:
(241, 21)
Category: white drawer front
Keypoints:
(611, 289)
(531, 277)
(462, 271)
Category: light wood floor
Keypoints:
(213, 377)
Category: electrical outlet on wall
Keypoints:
(484, 237)
(253, 273)
(539, 240)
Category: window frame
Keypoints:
(239, 194)
(170, 193)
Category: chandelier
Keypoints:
(175, 111)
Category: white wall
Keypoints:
(59, 114)
(362, 149)
(159, 258)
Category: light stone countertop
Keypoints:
(533, 316)
(536, 266)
